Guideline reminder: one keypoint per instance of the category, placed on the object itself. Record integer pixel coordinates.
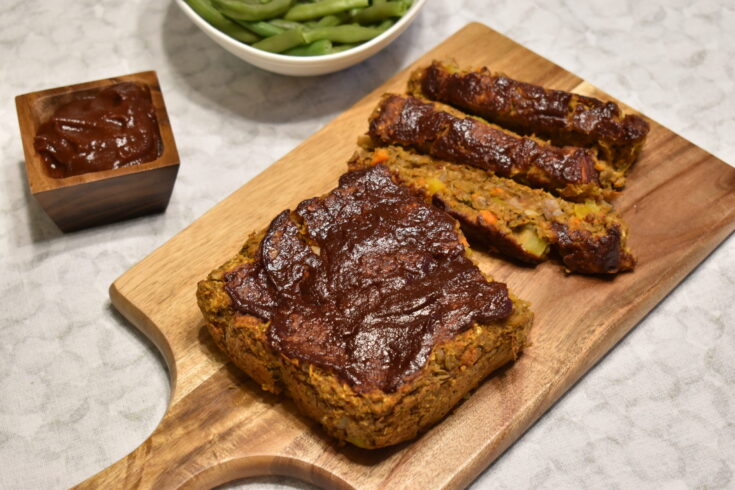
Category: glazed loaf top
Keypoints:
(445, 133)
(564, 117)
(365, 281)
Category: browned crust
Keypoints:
(563, 117)
(581, 251)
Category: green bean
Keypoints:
(282, 42)
(330, 21)
(238, 9)
(348, 33)
(207, 12)
(386, 24)
(316, 48)
(301, 27)
(261, 28)
(286, 24)
(308, 11)
(381, 11)
(342, 47)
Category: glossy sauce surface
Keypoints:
(532, 108)
(114, 128)
(364, 282)
(411, 122)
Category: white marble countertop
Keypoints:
(80, 387)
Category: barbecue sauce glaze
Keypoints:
(411, 122)
(365, 282)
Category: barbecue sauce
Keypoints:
(411, 122)
(365, 281)
(114, 128)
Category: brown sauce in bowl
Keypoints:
(113, 128)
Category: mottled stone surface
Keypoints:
(80, 388)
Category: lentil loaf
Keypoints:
(365, 308)
(445, 133)
(512, 219)
(563, 117)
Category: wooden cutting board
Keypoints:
(679, 203)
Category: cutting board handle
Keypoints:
(199, 444)
(218, 430)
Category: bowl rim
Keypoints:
(302, 60)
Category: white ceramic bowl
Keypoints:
(302, 66)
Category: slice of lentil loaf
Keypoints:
(562, 117)
(512, 219)
(273, 309)
(445, 133)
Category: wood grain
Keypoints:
(96, 198)
(680, 203)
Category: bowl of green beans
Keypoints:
(302, 37)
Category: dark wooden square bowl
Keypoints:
(96, 198)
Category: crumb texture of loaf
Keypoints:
(510, 218)
(563, 117)
(382, 365)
